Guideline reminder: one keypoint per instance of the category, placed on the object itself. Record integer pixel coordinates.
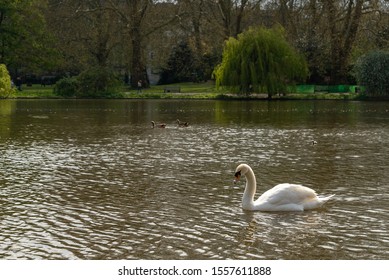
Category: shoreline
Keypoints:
(213, 96)
(195, 91)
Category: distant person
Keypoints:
(126, 78)
(18, 83)
(140, 86)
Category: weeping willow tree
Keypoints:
(260, 60)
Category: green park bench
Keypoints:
(322, 89)
(172, 89)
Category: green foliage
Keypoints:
(179, 66)
(24, 39)
(98, 82)
(5, 82)
(184, 66)
(204, 66)
(372, 71)
(260, 60)
(67, 87)
(92, 83)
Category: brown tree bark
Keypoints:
(343, 30)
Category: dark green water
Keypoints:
(90, 179)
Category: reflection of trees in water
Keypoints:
(6, 110)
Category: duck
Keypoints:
(182, 124)
(282, 197)
(159, 125)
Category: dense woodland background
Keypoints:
(145, 39)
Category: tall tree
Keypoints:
(87, 30)
(195, 10)
(24, 40)
(230, 14)
(134, 16)
(326, 31)
(201, 36)
(180, 65)
(372, 71)
(137, 18)
(343, 26)
(306, 28)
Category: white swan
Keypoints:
(283, 197)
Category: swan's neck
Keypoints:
(249, 192)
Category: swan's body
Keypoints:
(159, 125)
(283, 197)
(184, 124)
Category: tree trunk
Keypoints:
(342, 38)
(349, 34)
(138, 9)
(225, 8)
(138, 68)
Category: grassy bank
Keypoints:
(187, 90)
(205, 90)
(35, 91)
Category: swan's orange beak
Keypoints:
(237, 177)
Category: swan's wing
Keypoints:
(284, 194)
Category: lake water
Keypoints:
(90, 179)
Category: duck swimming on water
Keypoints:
(182, 124)
(158, 125)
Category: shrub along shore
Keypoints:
(207, 90)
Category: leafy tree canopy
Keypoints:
(24, 40)
(372, 71)
(179, 66)
(260, 60)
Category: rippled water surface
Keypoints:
(92, 180)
